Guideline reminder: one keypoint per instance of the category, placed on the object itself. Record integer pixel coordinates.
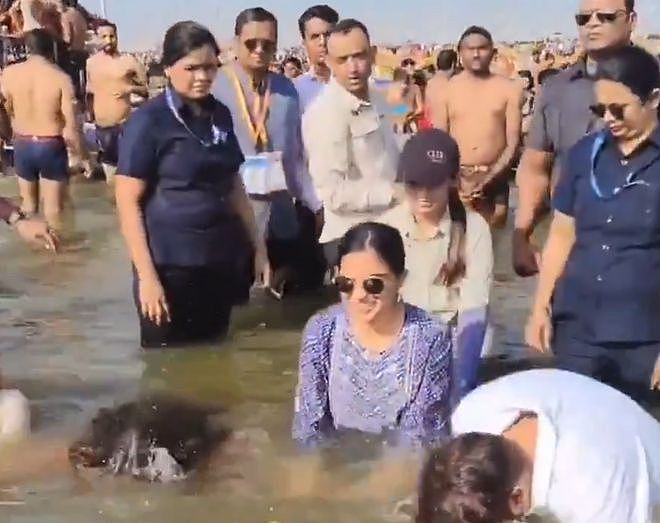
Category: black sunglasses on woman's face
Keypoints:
(616, 110)
(373, 286)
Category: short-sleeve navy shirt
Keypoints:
(188, 218)
(611, 284)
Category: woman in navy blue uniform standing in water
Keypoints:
(598, 299)
(183, 210)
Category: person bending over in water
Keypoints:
(549, 443)
(137, 439)
(167, 440)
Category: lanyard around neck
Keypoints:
(261, 107)
(599, 144)
(216, 133)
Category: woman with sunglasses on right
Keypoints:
(373, 365)
(598, 296)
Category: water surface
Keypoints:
(68, 340)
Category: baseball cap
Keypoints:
(430, 158)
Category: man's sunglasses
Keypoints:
(373, 286)
(406, 63)
(582, 19)
(616, 110)
(268, 46)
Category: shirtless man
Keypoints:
(112, 79)
(40, 100)
(74, 34)
(446, 65)
(482, 112)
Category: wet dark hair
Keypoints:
(630, 5)
(386, 241)
(183, 38)
(293, 60)
(476, 30)
(447, 60)
(39, 42)
(254, 14)
(633, 67)
(324, 12)
(528, 75)
(121, 440)
(469, 480)
(349, 24)
(547, 73)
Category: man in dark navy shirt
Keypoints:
(561, 117)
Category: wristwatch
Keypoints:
(15, 217)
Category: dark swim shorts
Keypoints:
(41, 156)
(108, 140)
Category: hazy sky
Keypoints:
(142, 23)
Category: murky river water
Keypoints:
(68, 340)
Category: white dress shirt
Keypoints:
(597, 454)
(352, 156)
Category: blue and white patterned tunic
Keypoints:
(406, 392)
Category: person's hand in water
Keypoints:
(37, 232)
(538, 333)
(153, 303)
(526, 258)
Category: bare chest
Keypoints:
(471, 104)
(110, 71)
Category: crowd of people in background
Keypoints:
(316, 172)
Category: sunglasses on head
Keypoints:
(616, 110)
(582, 19)
(267, 46)
(373, 285)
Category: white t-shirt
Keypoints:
(598, 452)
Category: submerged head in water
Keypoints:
(155, 439)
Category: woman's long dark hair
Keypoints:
(454, 268)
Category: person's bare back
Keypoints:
(477, 115)
(110, 79)
(38, 97)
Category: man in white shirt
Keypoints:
(351, 149)
(546, 442)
